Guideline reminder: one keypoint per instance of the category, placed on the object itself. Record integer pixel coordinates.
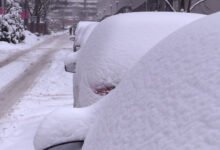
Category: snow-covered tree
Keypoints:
(11, 24)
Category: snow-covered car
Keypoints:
(115, 45)
(82, 32)
(169, 100)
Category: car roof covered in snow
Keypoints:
(83, 30)
(116, 44)
(81, 25)
(87, 33)
(170, 99)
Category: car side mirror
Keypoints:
(71, 67)
(75, 145)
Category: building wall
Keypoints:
(69, 12)
(111, 7)
(208, 7)
(74, 8)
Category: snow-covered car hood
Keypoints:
(115, 45)
(64, 125)
(170, 100)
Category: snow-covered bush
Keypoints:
(11, 24)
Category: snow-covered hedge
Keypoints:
(11, 24)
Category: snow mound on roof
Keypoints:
(81, 25)
(83, 30)
(116, 44)
(171, 98)
(87, 33)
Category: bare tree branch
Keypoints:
(196, 4)
(170, 5)
(38, 7)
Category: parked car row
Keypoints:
(109, 53)
(115, 45)
(164, 69)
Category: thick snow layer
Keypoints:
(83, 30)
(56, 127)
(88, 31)
(170, 100)
(116, 44)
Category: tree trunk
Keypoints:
(181, 5)
(38, 24)
(189, 5)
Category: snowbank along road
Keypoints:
(29, 72)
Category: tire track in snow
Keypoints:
(16, 89)
(17, 55)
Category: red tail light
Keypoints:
(104, 90)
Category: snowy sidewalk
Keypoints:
(52, 89)
(21, 73)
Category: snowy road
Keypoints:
(34, 84)
(15, 89)
(19, 54)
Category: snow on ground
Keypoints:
(11, 71)
(29, 41)
(7, 49)
(21, 64)
(77, 120)
(53, 89)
